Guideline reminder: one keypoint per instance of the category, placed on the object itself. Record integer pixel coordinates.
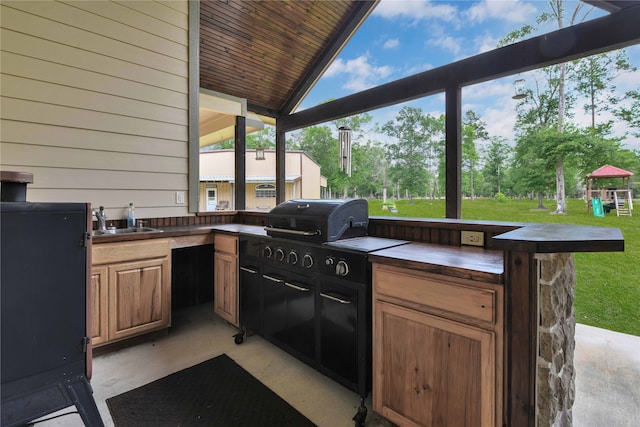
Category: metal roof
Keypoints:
(249, 179)
(608, 171)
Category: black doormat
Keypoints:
(215, 393)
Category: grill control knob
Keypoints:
(279, 255)
(342, 268)
(329, 261)
(267, 252)
(292, 258)
(307, 261)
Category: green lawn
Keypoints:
(607, 293)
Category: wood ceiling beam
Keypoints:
(608, 6)
(610, 32)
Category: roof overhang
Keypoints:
(218, 114)
(249, 179)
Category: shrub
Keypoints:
(500, 197)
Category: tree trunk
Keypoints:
(540, 204)
(473, 193)
(561, 207)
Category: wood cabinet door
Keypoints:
(99, 305)
(429, 371)
(225, 290)
(139, 297)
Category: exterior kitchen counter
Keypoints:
(182, 231)
(463, 262)
(559, 238)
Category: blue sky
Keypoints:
(405, 37)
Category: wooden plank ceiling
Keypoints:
(271, 52)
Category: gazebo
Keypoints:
(613, 196)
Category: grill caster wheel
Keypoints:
(238, 338)
(361, 415)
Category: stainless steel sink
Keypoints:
(121, 231)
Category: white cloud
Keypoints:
(416, 10)
(391, 44)
(450, 44)
(337, 67)
(511, 11)
(488, 90)
(359, 72)
(628, 81)
(485, 43)
(416, 69)
(500, 121)
(619, 129)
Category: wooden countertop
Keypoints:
(521, 237)
(464, 262)
(550, 238)
(183, 231)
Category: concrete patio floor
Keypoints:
(607, 378)
(607, 365)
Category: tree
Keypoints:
(535, 159)
(473, 129)
(407, 153)
(265, 138)
(321, 144)
(594, 78)
(557, 80)
(435, 153)
(631, 113)
(496, 157)
(369, 168)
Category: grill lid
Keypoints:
(319, 220)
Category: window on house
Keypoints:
(265, 191)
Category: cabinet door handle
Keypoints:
(249, 270)
(335, 298)
(273, 279)
(296, 287)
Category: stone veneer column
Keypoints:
(556, 340)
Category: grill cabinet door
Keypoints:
(339, 331)
(289, 314)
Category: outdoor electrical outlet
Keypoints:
(473, 238)
(179, 197)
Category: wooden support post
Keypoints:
(521, 342)
(453, 152)
(241, 163)
(280, 165)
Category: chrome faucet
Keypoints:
(102, 218)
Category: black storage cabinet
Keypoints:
(44, 273)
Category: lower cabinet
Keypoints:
(437, 349)
(131, 284)
(100, 305)
(225, 278)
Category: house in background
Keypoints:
(217, 179)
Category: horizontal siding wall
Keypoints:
(94, 102)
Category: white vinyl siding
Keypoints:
(94, 102)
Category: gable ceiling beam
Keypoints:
(608, 6)
(610, 32)
(353, 22)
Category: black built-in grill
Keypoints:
(319, 220)
(306, 287)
